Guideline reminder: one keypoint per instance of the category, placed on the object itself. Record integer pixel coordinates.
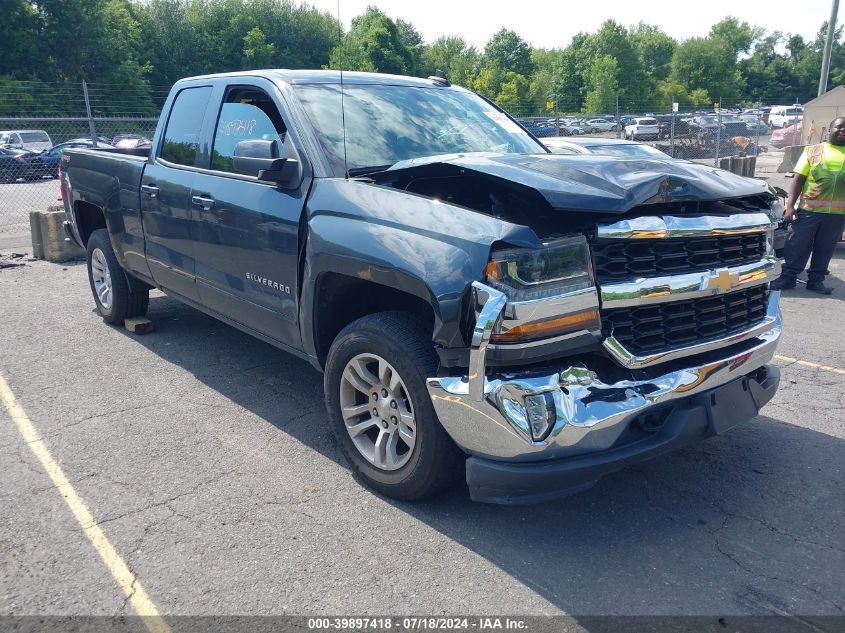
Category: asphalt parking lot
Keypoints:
(205, 460)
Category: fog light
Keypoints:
(541, 413)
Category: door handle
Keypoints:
(150, 190)
(203, 201)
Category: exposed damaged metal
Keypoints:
(534, 190)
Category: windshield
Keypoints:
(647, 121)
(628, 150)
(35, 137)
(387, 124)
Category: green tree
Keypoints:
(654, 48)
(738, 36)
(452, 55)
(509, 53)
(603, 85)
(487, 82)
(513, 94)
(373, 44)
(707, 64)
(414, 42)
(20, 32)
(99, 43)
(258, 53)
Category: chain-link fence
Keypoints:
(39, 121)
(30, 151)
(704, 135)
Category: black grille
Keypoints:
(617, 259)
(659, 327)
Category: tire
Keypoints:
(120, 301)
(411, 469)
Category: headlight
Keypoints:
(550, 290)
(529, 274)
(775, 211)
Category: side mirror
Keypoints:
(260, 158)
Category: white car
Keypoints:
(30, 140)
(599, 125)
(784, 116)
(643, 127)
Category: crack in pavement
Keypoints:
(760, 574)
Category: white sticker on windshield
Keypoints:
(503, 121)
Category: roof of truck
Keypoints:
(326, 77)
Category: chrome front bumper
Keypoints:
(592, 411)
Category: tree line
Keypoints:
(132, 51)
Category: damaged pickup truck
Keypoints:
(472, 300)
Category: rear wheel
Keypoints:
(380, 411)
(115, 299)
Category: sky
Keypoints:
(552, 23)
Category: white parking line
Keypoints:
(128, 581)
(806, 363)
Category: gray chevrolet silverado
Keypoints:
(472, 300)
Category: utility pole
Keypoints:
(828, 45)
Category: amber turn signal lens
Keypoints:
(492, 271)
(552, 327)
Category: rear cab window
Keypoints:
(181, 142)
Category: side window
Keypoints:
(246, 115)
(182, 135)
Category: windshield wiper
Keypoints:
(363, 171)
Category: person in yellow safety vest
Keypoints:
(817, 224)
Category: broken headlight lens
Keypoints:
(559, 268)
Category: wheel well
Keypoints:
(340, 299)
(89, 218)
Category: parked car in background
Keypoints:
(755, 124)
(571, 128)
(602, 146)
(599, 125)
(787, 136)
(664, 123)
(784, 116)
(13, 164)
(30, 140)
(706, 124)
(538, 128)
(733, 126)
(130, 141)
(643, 127)
(46, 164)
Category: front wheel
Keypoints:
(380, 411)
(115, 299)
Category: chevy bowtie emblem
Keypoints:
(722, 282)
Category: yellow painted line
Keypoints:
(128, 582)
(806, 363)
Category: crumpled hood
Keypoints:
(587, 182)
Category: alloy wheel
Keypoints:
(101, 276)
(377, 412)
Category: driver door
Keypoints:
(246, 232)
